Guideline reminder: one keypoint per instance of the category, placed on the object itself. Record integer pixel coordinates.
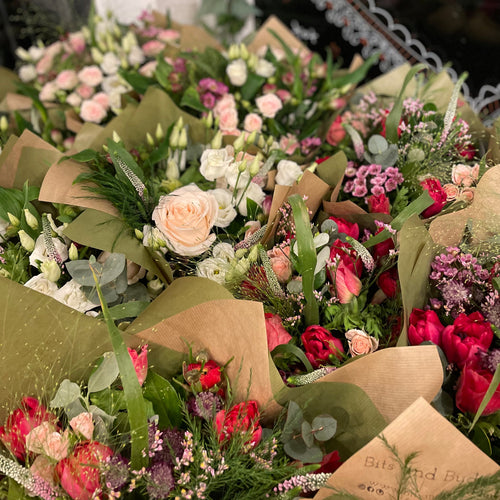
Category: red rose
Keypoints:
(209, 373)
(79, 473)
(330, 463)
(276, 333)
(468, 151)
(378, 204)
(21, 422)
(321, 160)
(319, 343)
(388, 282)
(424, 325)
(242, 418)
(465, 337)
(472, 386)
(140, 362)
(347, 255)
(383, 248)
(437, 193)
(349, 228)
(336, 132)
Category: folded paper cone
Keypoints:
(445, 458)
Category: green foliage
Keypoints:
(15, 262)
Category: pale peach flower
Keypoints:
(83, 424)
(269, 105)
(464, 175)
(360, 342)
(228, 120)
(148, 69)
(467, 194)
(67, 79)
(451, 191)
(45, 439)
(92, 111)
(252, 123)
(102, 98)
(77, 42)
(85, 91)
(185, 218)
(281, 263)
(48, 92)
(152, 48)
(90, 75)
(168, 35)
(44, 65)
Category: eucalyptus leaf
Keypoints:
(324, 427)
(377, 144)
(297, 449)
(67, 393)
(307, 434)
(293, 423)
(74, 409)
(388, 157)
(294, 287)
(329, 226)
(105, 374)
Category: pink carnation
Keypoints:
(148, 69)
(269, 105)
(252, 123)
(67, 79)
(92, 111)
(102, 98)
(77, 42)
(48, 92)
(44, 65)
(152, 48)
(90, 75)
(168, 35)
(85, 91)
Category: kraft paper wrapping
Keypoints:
(8, 80)
(73, 121)
(483, 212)
(395, 377)
(10, 166)
(446, 458)
(264, 38)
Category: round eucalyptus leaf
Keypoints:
(324, 427)
(329, 226)
(294, 287)
(388, 158)
(377, 144)
(297, 449)
(307, 434)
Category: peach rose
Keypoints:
(463, 175)
(252, 123)
(185, 218)
(67, 79)
(83, 425)
(360, 342)
(45, 439)
(148, 69)
(90, 75)
(228, 120)
(102, 98)
(168, 35)
(153, 48)
(281, 263)
(48, 92)
(92, 111)
(451, 191)
(289, 144)
(85, 91)
(269, 105)
(467, 194)
(44, 65)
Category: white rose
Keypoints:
(41, 284)
(40, 251)
(185, 218)
(237, 72)
(110, 63)
(27, 73)
(224, 251)
(265, 68)
(214, 163)
(232, 173)
(136, 56)
(72, 296)
(36, 53)
(226, 213)
(254, 192)
(288, 173)
(212, 268)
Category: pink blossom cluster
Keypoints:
(371, 179)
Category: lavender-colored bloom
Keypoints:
(161, 480)
(205, 405)
(116, 473)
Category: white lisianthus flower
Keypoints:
(265, 68)
(41, 284)
(110, 63)
(36, 53)
(40, 251)
(153, 238)
(237, 72)
(27, 73)
(226, 213)
(254, 192)
(288, 173)
(136, 56)
(224, 251)
(51, 270)
(214, 163)
(232, 175)
(214, 269)
(72, 296)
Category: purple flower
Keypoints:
(205, 405)
(161, 480)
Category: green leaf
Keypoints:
(481, 440)
(162, 72)
(138, 82)
(297, 449)
(81, 272)
(295, 351)
(83, 156)
(118, 152)
(495, 381)
(392, 121)
(293, 424)
(307, 434)
(306, 257)
(136, 405)
(388, 157)
(191, 99)
(377, 144)
(110, 401)
(354, 77)
(105, 375)
(252, 85)
(67, 393)
(165, 400)
(128, 310)
(324, 427)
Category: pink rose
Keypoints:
(92, 111)
(44, 65)
(225, 102)
(228, 120)
(336, 132)
(168, 35)
(252, 123)
(463, 175)
(148, 69)
(467, 194)
(77, 42)
(276, 333)
(281, 263)
(289, 144)
(90, 75)
(451, 191)
(269, 105)
(74, 99)
(360, 342)
(67, 79)
(284, 95)
(152, 48)
(48, 92)
(185, 218)
(102, 98)
(85, 91)
(83, 424)
(45, 439)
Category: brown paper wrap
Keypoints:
(446, 458)
(264, 38)
(483, 212)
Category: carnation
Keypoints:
(92, 111)
(67, 79)
(90, 75)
